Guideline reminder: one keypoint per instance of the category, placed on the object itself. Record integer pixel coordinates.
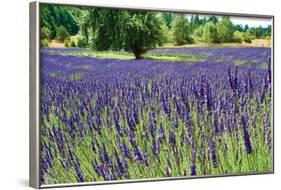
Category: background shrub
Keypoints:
(72, 43)
(82, 42)
(67, 42)
(62, 34)
(45, 33)
(44, 42)
(238, 37)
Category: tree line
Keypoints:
(138, 31)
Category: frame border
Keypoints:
(35, 82)
(34, 95)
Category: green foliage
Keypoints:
(133, 31)
(67, 42)
(72, 44)
(142, 32)
(137, 31)
(210, 34)
(53, 16)
(168, 18)
(212, 19)
(82, 42)
(181, 30)
(259, 32)
(166, 33)
(247, 37)
(268, 31)
(248, 40)
(238, 37)
(238, 27)
(198, 34)
(45, 33)
(195, 22)
(107, 26)
(44, 42)
(246, 27)
(206, 33)
(85, 21)
(225, 29)
(62, 34)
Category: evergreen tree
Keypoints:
(168, 18)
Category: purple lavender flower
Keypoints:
(105, 173)
(269, 69)
(155, 146)
(96, 167)
(176, 123)
(116, 97)
(193, 170)
(145, 131)
(125, 151)
(246, 135)
(138, 155)
(135, 113)
(161, 134)
(172, 139)
(216, 123)
(132, 139)
(105, 153)
(209, 98)
(80, 176)
(213, 154)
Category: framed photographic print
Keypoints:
(129, 94)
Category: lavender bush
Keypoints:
(110, 119)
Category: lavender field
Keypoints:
(208, 112)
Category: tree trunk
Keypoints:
(137, 54)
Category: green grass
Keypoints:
(264, 65)
(242, 62)
(129, 56)
(76, 76)
(101, 54)
(54, 74)
(191, 58)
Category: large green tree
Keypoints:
(130, 30)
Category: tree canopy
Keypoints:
(130, 30)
